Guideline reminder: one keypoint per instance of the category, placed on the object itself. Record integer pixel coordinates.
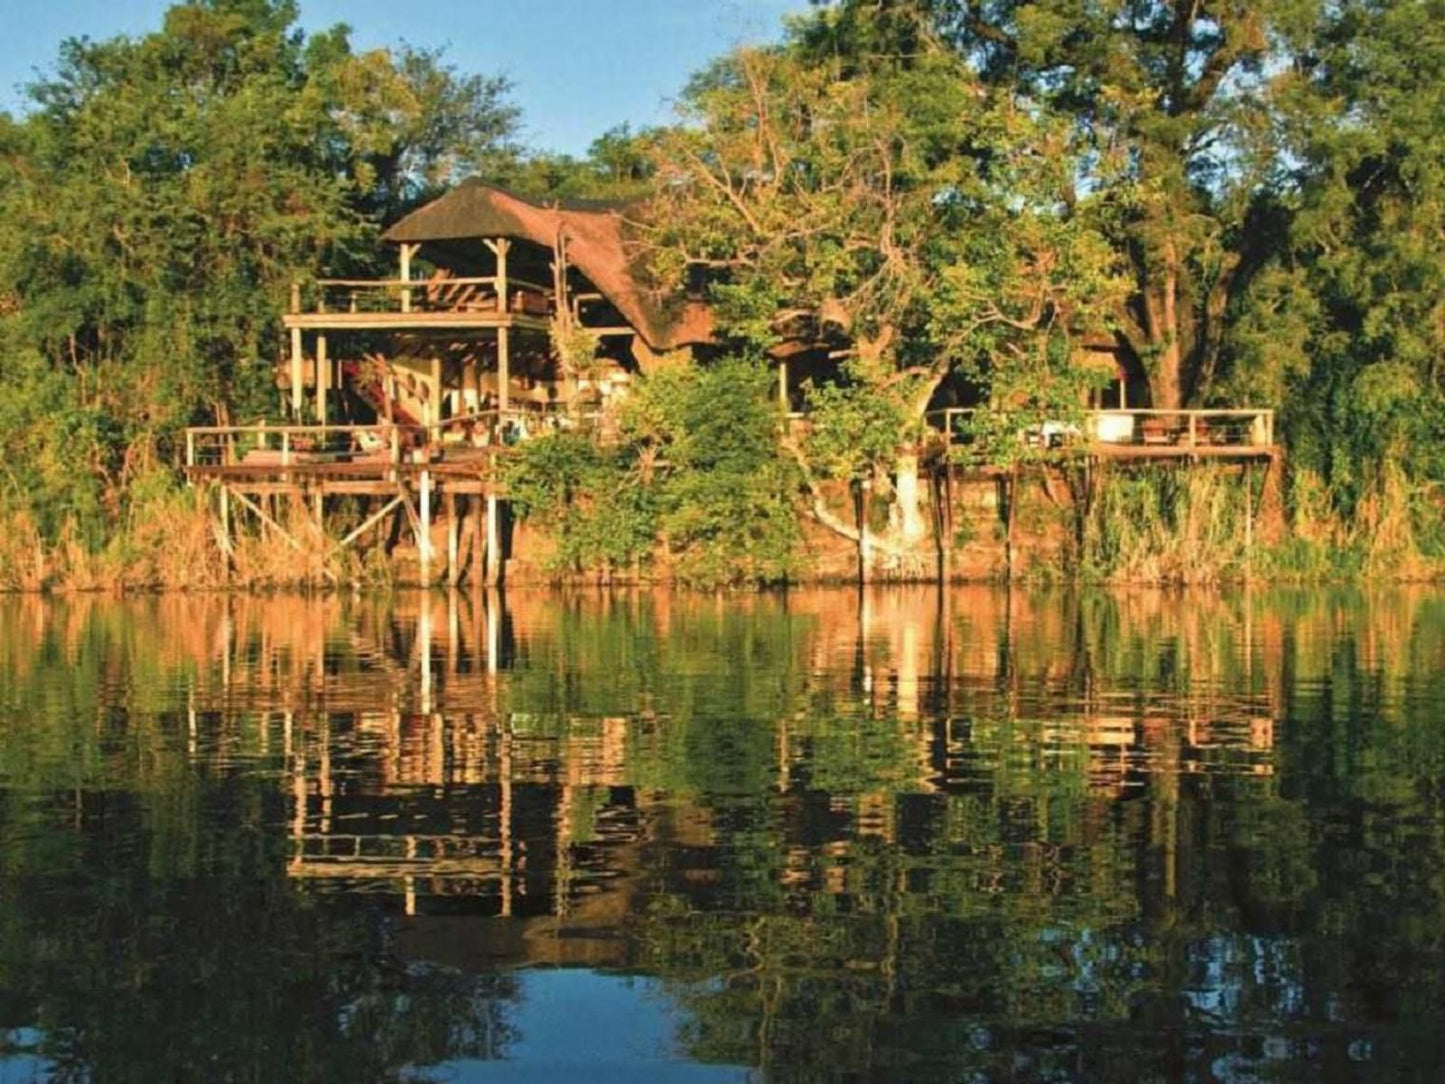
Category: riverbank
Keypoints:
(1198, 527)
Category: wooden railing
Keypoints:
(285, 445)
(485, 294)
(1158, 429)
(267, 444)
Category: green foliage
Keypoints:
(696, 467)
(590, 498)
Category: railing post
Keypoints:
(190, 447)
(405, 276)
(1193, 429)
(285, 447)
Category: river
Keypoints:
(916, 835)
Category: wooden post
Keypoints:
(783, 403)
(296, 391)
(228, 548)
(500, 247)
(479, 539)
(434, 402)
(423, 541)
(494, 540)
(1193, 430)
(504, 372)
(285, 448)
(323, 378)
(190, 448)
(405, 276)
(1248, 519)
(453, 569)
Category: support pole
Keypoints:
(323, 378)
(494, 540)
(423, 540)
(500, 247)
(297, 404)
(405, 275)
(479, 539)
(783, 403)
(453, 568)
(504, 371)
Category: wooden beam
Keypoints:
(260, 514)
(369, 522)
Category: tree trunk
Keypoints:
(909, 496)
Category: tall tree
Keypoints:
(1175, 99)
(898, 210)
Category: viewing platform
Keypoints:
(441, 303)
(1142, 434)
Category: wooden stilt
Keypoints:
(479, 539)
(494, 540)
(423, 534)
(453, 538)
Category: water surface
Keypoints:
(972, 835)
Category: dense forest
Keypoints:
(1244, 200)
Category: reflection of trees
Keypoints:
(1095, 837)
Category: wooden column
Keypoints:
(479, 539)
(504, 370)
(500, 247)
(297, 404)
(494, 539)
(227, 546)
(783, 387)
(405, 274)
(323, 378)
(423, 542)
(453, 568)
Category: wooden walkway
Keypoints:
(1128, 435)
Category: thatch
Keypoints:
(597, 245)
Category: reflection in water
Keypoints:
(903, 835)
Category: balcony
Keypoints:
(1243, 433)
(442, 301)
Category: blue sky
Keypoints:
(578, 66)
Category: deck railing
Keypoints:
(278, 445)
(1157, 429)
(482, 294)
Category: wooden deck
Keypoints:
(1164, 435)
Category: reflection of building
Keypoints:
(487, 757)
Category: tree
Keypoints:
(899, 212)
(1174, 102)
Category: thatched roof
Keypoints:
(596, 245)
